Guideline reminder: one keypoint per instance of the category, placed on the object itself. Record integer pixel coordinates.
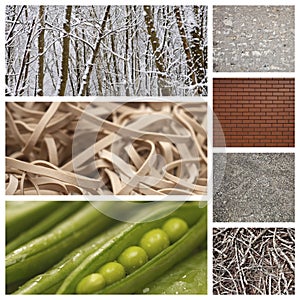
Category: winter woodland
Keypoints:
(106, 50)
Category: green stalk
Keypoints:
(43, 252)
(22, 216)
(50, 281)
(65, 210)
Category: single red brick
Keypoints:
(259, 99)
(261, 81)
(272, 98)
(278, 93)
(271, 113)
(283, 81)
(256, 108)
(254, 94)
(240, 85)
(289, 93)
(261, 114)
(281, 121)
(246, 121)
(289, 86)
(252, 116)
(271, 121)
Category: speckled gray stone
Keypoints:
(254, 38)
(255, 187)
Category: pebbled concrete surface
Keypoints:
(254, 38)
(256, 187)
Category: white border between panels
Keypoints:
(254, 150)
(212, 150)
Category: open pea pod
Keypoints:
(156, 266)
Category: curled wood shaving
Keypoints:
(150, 148)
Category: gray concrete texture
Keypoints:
(254, 187)
(254, 38)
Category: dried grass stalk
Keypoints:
(254, 261)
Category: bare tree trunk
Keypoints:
(77, 63)
(27, 58)
(77, 54)
(23, 72)
(114, 74)
(165, 11)
(137, 60)
(116, 82)
(147, 77)
(197, 49)
(126, 54)
(54, 73)
(91, 62)
(159, 63)
(133, 53)
(12, 17)
(99, 80)
(186, 47)
(65, 52)
(41, 46)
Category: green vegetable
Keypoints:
(175, 228)
(50, 281)
(112, 272)
(20, 216)
(132, 258)
(43, 252)
(187, 277)
(90, 284)
(154, 241)
(55, 217)
(110, 251)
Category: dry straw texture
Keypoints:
(254, 261)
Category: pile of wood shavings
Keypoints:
(154, 148)
(254, 261)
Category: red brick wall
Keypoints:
(254, 112)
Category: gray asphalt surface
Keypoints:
(254, 187)
(254, 38)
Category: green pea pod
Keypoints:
(191, 213)
(66, 209)
(49, 282)
(20, 216)
(187, 277)
(43, 252)
(162, 262)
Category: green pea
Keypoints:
(91, 284)
(112, 272)
(175, 228)
(154, 241)
(132, 258)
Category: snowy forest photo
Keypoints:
(106, 50)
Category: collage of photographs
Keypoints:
(149, 149)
